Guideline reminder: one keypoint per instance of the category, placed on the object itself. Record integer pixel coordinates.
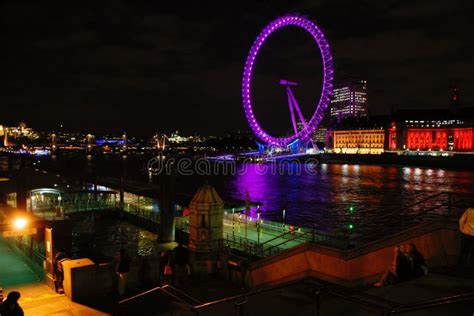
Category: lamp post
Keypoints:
(59, 205)
(247, 209)
(258, 225)
(233, 228)
(283, 212)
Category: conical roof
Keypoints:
(206, 194)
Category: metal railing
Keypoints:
(169, 290)
(144, 213)
(241, 300)
(443, 204)
(378, 304)
(35, 255)
(414, 307)
(428, 209)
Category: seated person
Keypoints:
(400, 270)
(419, 265)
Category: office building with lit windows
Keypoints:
(349, 100)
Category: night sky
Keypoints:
(147, 66)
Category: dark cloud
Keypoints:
(145, 66)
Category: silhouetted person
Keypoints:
(181, 260)
(401, 268)
(10, 306)
(166, 271)
(419, 265)
(122, 269)
(58, 270)
(466, 227)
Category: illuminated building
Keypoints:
(21, 131)
(359, 141)
(349, 100)
(439, 139)
(320, 135)
(433, 131)
(175, 138)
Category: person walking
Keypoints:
(10, 306)
(122, 269)
(58, 271)
(166, 272)
(466, 227)
(181, 260)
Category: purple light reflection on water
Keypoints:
(323, 198)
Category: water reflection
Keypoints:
(102, 238)
(308, 198)
(325, 196)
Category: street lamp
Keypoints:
(20, 223)
(258, 225)
(283, 212)
(233, 228)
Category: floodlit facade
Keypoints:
(359, 141)
(432, 135)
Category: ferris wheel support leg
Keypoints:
(292, 111)
(297, 107)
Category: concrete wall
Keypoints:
(83, 279)
(438, 242)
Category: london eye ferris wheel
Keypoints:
(308, 127)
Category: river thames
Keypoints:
(320, 196)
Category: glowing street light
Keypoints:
(258, 224)
(233, 222)
(20, 223)
(283, 213)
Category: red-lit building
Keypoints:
(431, 131)
(407, 132)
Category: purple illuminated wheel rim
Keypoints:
(328, 73)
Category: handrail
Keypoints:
(289, 283)
(386, 307)
(262, 250)
(432, 303)
(245, 295)
(401, 221)
(414, 216)
(141, 294)
(164, 288)
(276, 237)
(183, 294)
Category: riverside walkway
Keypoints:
(14, 271)
(37, 299)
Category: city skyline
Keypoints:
(143, 69)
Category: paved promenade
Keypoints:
(37, 299)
